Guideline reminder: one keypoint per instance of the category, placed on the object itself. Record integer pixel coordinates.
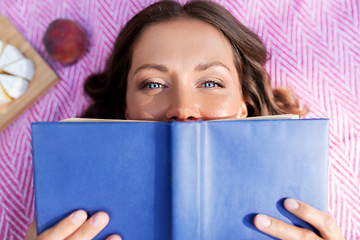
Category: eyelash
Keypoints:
(216, 83)
(147, 84)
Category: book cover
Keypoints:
(179, 180)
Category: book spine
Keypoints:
(186, 180)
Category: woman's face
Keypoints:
(183, 70)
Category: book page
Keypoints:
(282, 116)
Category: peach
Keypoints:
(65, 41)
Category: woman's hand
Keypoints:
(76, 226)
(323, 222)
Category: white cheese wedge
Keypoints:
(14, 86)
(4, 98)
(23, 68)
(9, 55)
(15, 73)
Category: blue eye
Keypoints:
(210, 84)
(152, 85)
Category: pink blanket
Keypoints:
(315, 48)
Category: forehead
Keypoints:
(182, 39)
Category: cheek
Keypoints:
(144, 108)
(224, 106)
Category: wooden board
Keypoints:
(43, 80)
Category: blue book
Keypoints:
(179, 180)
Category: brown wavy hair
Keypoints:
(108, 89)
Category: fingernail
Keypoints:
(98, 220)
(291, 204)
(78, 217)
(114, 237)
(263, 220)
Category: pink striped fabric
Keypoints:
(315, 48)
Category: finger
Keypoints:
(323, 222)
(279, 229)
(91, 227)
(113, 237)
(65, 227)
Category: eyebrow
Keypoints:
(200, 67)
(158, 67)
(204, 66)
